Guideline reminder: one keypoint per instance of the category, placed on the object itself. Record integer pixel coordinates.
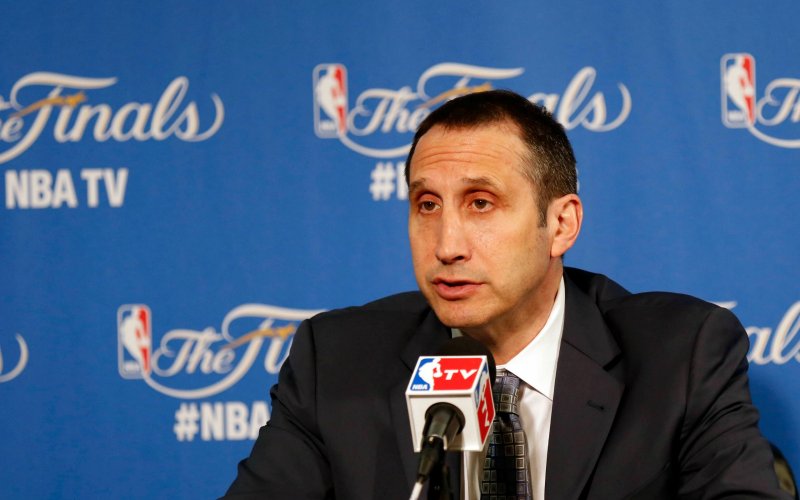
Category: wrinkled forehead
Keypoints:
(496, 144)
(504, 125)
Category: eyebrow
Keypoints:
(481, 181)
(416, 185)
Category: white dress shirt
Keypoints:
(535, 366)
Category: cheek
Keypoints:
(416, 240)
(486, 243)
(421, 250)
(536, 256)
(422, 235)
(521, 251)
(496, 237)
(487, 235)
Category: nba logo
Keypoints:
(428, 369)
(330, 100)
(738, 90)
(134, 340)
(446, 373)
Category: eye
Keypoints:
(481, 204)
(427, 206)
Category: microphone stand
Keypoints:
(439, 487)
(438, 480)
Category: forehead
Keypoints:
(493, 148)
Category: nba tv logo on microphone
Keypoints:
(462, 381)
(446, 373)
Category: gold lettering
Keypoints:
(68, 101)
(281, 332)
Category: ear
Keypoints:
(564, 218)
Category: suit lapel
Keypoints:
(585, 399)
(427, 340)
(584, 406)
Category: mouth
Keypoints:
(454, 289)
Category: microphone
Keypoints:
(450, 405)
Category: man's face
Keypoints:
(480, 256)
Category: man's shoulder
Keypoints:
(654, 313)
(403, 307)
(611, 297)
(661, 302)
(381, 327)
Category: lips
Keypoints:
(455, 289)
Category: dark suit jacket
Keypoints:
(651, 401)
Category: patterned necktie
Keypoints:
(506, 470)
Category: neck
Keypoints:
(511, 335)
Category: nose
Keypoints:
(453, 242)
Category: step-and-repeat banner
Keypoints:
(183, 183)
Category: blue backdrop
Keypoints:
(184, 182)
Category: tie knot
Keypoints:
(506, 392)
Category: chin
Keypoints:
(454, 314)
(457, 316)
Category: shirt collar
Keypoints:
(536, 363)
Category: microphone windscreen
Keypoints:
(467, 346)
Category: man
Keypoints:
(623, 396)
